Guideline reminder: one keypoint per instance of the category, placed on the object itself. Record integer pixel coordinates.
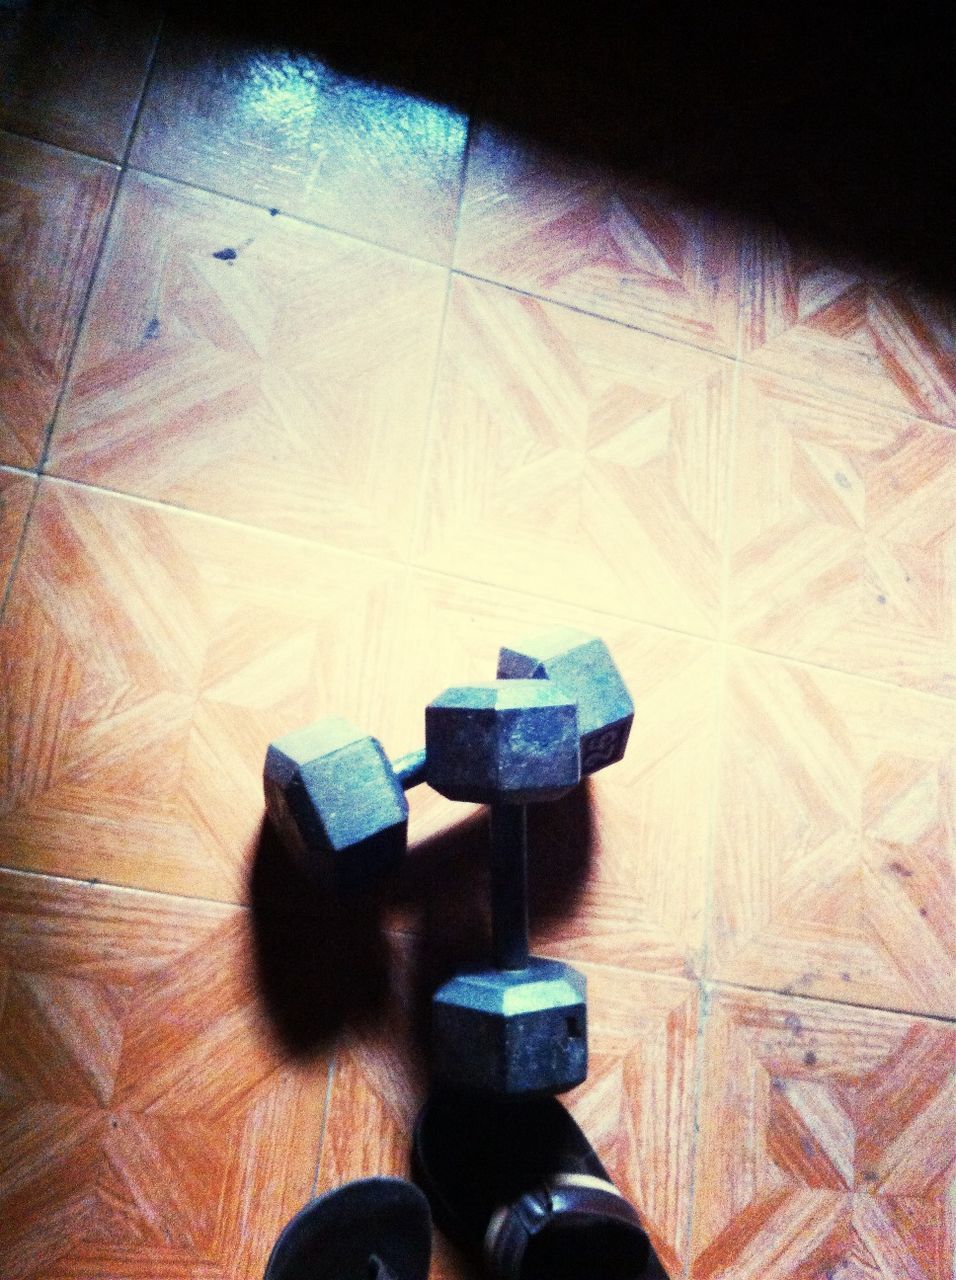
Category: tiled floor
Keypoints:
(312, 393)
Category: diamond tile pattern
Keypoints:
(849, 328)
(836, 865)
(578, 460)
(223, 344)
(826, 1143)
(308, 422)
(617, 247)
(53, 209)
(843, 535)
(148, 1121)
(146, 664)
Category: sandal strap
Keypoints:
(568, 1195)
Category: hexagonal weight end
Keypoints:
(334, 798)
(512, 1032)
(506, 742)
(581, 665)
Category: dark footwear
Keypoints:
(375, 1229)
(520, 1181)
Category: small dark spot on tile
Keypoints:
(787, 990)
(93, 880)
(273, 213)
(807, 979)
(809, 1058)
(899, 869)
(842, 480)
(806, 1145)
(793, 1024)
(924, 912)
(225, 255)
(881, 599)
(870, 1176)
(908, 578)
(152, 329)
(845, 976)
(777, 1083)
(114, 1123)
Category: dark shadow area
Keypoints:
(324, 963)
(833, 122)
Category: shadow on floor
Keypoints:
(833, 122)
(325, 963)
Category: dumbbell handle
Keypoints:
(509, 885)
(410, 769)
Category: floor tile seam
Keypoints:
(78, 153)
(327, 229)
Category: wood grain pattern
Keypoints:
(835, 867)
(843, 534)
(283, 383)
(578, 460)
(147, 663)
(827, 1138)
(636, 1105)
(617, 247)
(848, 327)
(284, 129)
(73, 73)
(53, 209)
(148, 1123)
(16, 494)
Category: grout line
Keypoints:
(833, 1001)
(93, 882)
(97, 264)
(465, 580)
(330, 1080)
(297, 218)
(595, 315)
(56, 146)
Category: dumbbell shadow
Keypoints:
(324, 963)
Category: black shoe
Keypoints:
(375, 1229)
(521, 1182)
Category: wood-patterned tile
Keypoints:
(636, 1106)
(149, 1124)
(255, 368)
(149, 656)
(618, 870)
(574, 458)
(581, 234)
(835, 864)
(285, 130)
(73, 73)
(16, 494)
(826, 1144)
(53, 209)
(850, 328)
(843, 534)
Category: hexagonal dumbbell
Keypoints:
(338, 802)
(521, 1027)
(582, 666)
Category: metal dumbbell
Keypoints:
(338, 802)
(521, 1027)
